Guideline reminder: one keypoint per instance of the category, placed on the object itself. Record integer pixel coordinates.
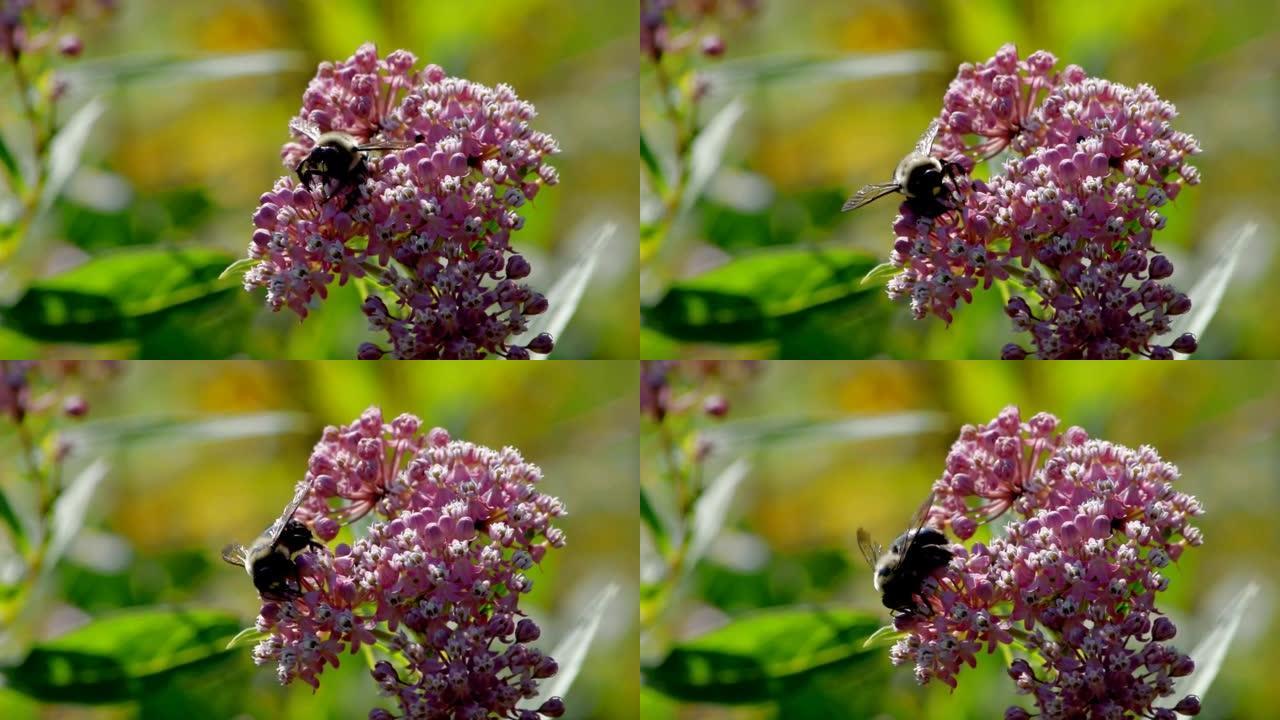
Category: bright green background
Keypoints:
(811, 135)
(170, 501)
(790, 536)
(192, 155)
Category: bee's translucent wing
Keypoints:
(234, 554)
(870, 550)
(869, 193)
(305, 127)
(925, 143)
(918, 522)
(384, 146)
(299, 494)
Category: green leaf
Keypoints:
(653, 521)
(66, 148)
(756, 296)
(757, 432)
(763, 655)
(239, 267)
(246, 637)
(11, 168)
(1207, 293)
(778, 68)
(138, 430)
(571, 652)
(566, 293)
(1212, 649)
(70, 510)
(883, 636)
(711, 510)
(135, 69)
(121, 657)
(707, 151)
(880, 274)
(651, 162)
(11, 521)
(117, 296)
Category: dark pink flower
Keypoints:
(431, 225)
(436, 580)
(1074, 576)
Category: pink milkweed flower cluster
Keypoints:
(1072, 217)
(1074, 576)
(431, 225)
(436, 579)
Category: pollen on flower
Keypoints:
(431, 223)
(1074, 574)
(435, 580)
(1071, 219)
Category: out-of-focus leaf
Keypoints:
(69, 511)
(14, 346)
(711, 509)
(655, 346)
(807, 217)
(239, 267)
(12, 171)
(11, 520)
(652, 520)
(1207, 293)
(144, 220)
(755, 296)
(116, 296)
(120, 657)
(759, 432)
(571, 652)
(141, 430)
(762, 655)
(654, 166)
(774, 68)
(1212, 649)
(66, 148)
(656, 706)
(564, 296)
(708, 148)
(133, 69)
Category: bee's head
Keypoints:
(885, 568)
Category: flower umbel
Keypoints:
(1072, 216)
(1074, 576)
(428, 223)
(436, 580)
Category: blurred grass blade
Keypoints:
(745, 434)
(134, 69)
(566, 293)
(140, 430)
(70, 510)
(117, 296)
(121, 657)
(708, 148)
(652, 520)
(764, 655)
(1207, 293)
(66, 148)
(11, 520)
(757, 296)
(571, 652)
(775, 68)
(1212, 650)
(711, 510)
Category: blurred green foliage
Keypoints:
(195, 100)
(836, 91)
(837, 446)
(201, 454)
